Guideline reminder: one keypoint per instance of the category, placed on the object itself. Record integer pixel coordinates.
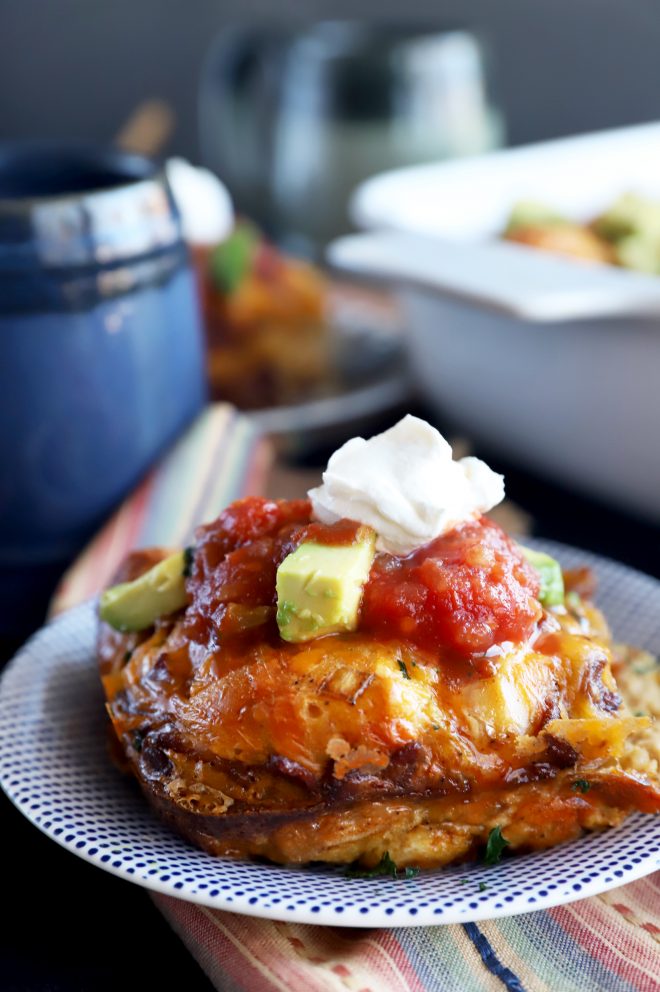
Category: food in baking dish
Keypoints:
(626, 234)
(377, 674)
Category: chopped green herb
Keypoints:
(127, 656)
(436, 726)
(402, 666)
(495, 846)
(138, 738)
(581, 785)
(640, 713)
(188, 561)
(466, 881)
(384, 867)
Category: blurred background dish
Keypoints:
(366, 381)
(310, 357)
(551, 363)
(266, 320)
(626, 233)
(307, 355)
(469, 200)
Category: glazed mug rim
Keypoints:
(84, 205)
(129, 169)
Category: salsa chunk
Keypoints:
(466, 591)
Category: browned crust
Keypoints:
(423, 832)
(300, 825)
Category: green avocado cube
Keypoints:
(136, 605)
(319, 587)
(630, 215)
(530, 213)
(552, 580)
(639, 252)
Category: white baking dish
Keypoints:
(553, 362)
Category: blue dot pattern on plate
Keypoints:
(54, 766)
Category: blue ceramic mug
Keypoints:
(101, 355)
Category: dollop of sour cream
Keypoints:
(406, 485)
(207, 213)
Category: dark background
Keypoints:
(77, 68)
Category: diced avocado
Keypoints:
(135, 605)
(530, 213)
(552, 580)
(631, 214)
(639, 252)
(319, 587)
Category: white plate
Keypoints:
(54, 767)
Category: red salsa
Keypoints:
(466, 591)
(236, 559)
(463, 592)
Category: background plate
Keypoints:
(54, 767)
(368, 380)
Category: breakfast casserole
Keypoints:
(266, 319)
(375, 673)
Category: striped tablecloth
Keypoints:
(610, 943)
